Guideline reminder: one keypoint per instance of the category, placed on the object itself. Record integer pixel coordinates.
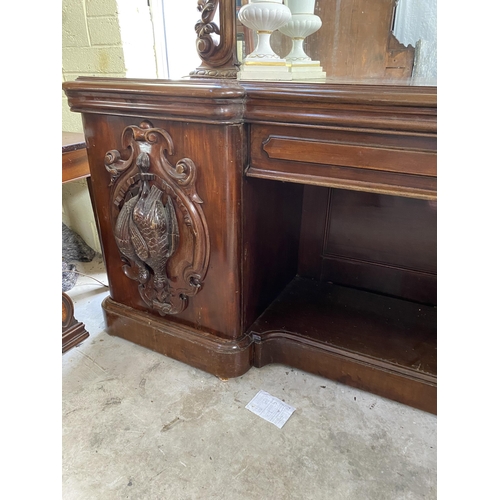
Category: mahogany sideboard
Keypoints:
(247, 223)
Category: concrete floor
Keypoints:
(138, 425)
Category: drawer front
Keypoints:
(385, 163)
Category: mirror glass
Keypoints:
(359, 41)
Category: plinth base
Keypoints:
(74, 336)
(264, 72)
(224, 358)
(310, 71)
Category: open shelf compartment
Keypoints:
(377, 343)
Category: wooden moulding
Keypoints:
(74, 336)
(401, 164)
(222, 358)
(391, 108)
(205, 101)
(291, 350)
(379, 344)
(392, 95)
(73, 331)
(350, 155)
(357, 137)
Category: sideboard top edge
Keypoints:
(395, 95)
(215, 89)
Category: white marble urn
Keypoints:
(302, 23)
(264, 17)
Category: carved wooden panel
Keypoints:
(159, 224)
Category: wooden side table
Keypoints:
(74, 157)
(74, 166)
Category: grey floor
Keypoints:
(138, 425)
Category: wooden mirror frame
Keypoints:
(218, 60)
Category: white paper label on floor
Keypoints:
(270, 408)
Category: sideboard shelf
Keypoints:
(374, 342)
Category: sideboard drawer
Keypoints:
(400, 164)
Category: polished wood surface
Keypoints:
(301, 185)
(271, 235)
(353, 244)
(74, 157)
(225, 358)
(382, 163)
(395, 339)
(380, 139)
(204, 101)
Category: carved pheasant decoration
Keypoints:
(149, 198)
(146, 231)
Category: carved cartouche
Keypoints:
(149, 198)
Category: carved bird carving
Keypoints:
(124, 228)
(146, 231)
(157, 234)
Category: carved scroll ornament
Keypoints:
(159, 224)
(218, 53)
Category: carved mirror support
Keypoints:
(216, 43)
(158, 220)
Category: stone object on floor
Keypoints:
(69, 276)
(74, 246)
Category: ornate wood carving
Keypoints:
(218, 56)
(159, 224)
